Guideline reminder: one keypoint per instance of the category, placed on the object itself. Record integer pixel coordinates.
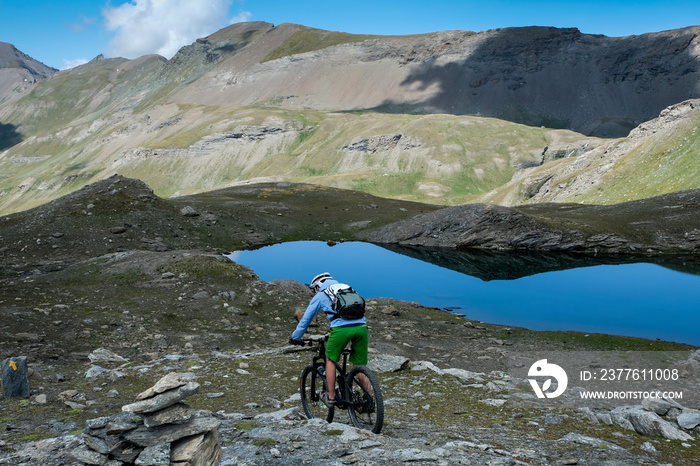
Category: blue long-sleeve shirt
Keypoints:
(319, 302)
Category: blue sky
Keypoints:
(70, 32)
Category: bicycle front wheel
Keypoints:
(312, 384)
(366, 405)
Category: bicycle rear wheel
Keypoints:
(366, 407)
(312, 384)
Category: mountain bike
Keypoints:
(357, 391)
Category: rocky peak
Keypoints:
(10, 57)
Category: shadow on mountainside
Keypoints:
(9, 136)
(561, 78)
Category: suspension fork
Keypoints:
(318, 361)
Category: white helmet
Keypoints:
(320, 278)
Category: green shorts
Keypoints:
(339, 338)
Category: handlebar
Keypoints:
(309, 341)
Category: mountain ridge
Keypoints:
(503, 70)
(11, 57)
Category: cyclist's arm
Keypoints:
(311, 311)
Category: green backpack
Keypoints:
(346, 303)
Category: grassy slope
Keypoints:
(660, 166)
(662, 162)
(455, 158)
(310, 39)
(459, 156)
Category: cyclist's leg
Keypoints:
(358, 353)
(337, 341)
(359, 344)
(330, 377)
(366, 384)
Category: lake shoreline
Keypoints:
(529, 290)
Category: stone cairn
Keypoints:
(158, 429)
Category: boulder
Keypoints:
(105, 355)
(15, 378)
(689, 419)
(660, 406)
(96, 371)
(647, 423)
(380, 363)
(188, 211)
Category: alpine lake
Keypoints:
(647, 297)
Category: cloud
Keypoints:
(68, 64)
(79, 26)
(241, 17)
(144, 27)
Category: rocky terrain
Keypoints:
(505, 116)
(664, 224)
(111, 288)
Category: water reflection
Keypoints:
(611, 295)
(496, 265)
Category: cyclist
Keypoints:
(342, 332)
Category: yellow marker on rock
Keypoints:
(13, 365)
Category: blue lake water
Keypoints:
(633, 299)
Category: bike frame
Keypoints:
(342, 401)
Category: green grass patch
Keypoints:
(390, 184)
(247, 425)
(309, 40)
(129, 277)
(264, 441)
(303, 137)
(204, 267)
(183, 139)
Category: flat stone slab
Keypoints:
(179, 413)
(170, 381)
(169, 433)
(163, 400)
